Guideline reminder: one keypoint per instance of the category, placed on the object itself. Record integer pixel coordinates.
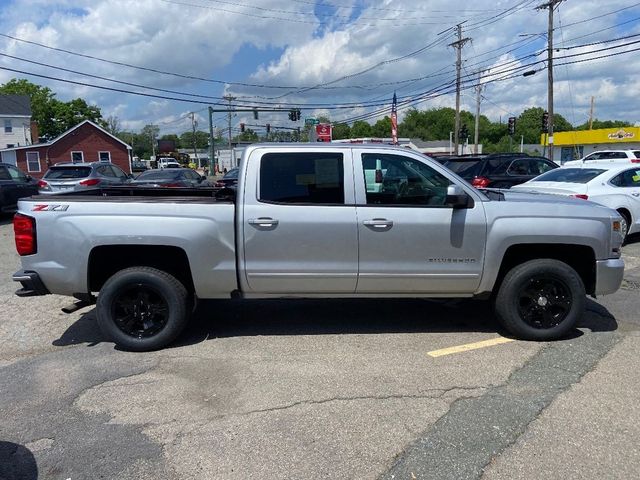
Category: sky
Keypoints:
(156, 61)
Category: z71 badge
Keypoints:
(49, 208)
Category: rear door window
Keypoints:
(302, 178)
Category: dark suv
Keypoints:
(499, 170)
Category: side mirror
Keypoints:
(456, 197)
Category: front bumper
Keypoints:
(609, 274)
(31, 284)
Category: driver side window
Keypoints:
(398, 180)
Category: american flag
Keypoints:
(394, 120)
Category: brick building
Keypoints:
(86, 142)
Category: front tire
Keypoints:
(142, 308)
(540, 300)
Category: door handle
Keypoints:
(636, 194)
(264, 222)
(378, 224)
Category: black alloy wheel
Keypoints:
(544, 302)
(140, 311)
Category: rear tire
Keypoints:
(540, 300)
(142, 308)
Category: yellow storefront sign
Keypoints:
(586, 137)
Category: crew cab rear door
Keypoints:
(410, 241)
(298, 222)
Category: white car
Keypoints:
(613, 185)
(607, 156)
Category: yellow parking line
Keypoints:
(469, 346)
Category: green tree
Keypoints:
(248, 135)
(529, 124)
(360, 129)
(605, 124)
(202, 139)
(341, 130)
(53, 116)
(382, 128)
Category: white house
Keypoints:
(15, 121)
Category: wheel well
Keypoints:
(579, 257)
(627, 214)
(106, 260)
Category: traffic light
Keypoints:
(463, 133)
(268, 128)
(545, 122)
(512, 125)
(294, 114)
(242, 127)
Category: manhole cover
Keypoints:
(630, 284)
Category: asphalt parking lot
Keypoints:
(356, 389)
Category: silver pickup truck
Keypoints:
(309, 220)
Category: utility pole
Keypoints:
(213, 165)
(458, 44)
(591, 114)
(551, 5)
(229, 99)
(193, 126)
(477, 125)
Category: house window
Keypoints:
(33, 162)
(77, 157)
(7, 126)
(104, 156)
(10, 145)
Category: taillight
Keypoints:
(581, 195)
(480, 182)
(42, 185)
(24, 228)
(90, 182)
(172, 184)
(635, 160)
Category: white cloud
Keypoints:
(295, 44)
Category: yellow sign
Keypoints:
(591, 137)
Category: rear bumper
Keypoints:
(31, 284)
(609, 274)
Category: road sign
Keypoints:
(311, 121)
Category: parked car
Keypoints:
(14, 184)
(138, 166)
(229, 180)
(81, 176)
(499, 170)
(615, 186)
(171, 177)
(608, 156)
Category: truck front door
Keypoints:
(299, 223)
(410, 241)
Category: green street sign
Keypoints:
(311, 121)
